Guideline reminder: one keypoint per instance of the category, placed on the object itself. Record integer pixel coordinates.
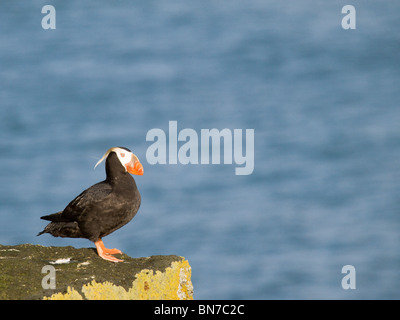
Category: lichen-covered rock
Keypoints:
(81, 274)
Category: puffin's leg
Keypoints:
(106, 253)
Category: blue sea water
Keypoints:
(323, 101)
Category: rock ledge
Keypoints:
(26, 271)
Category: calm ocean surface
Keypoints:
(324, 103)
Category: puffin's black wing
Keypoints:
(87, 200)
(84, 201)
(67, 223)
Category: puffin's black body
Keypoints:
(100, 209)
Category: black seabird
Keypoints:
(104, 207)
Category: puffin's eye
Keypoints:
(122, 154)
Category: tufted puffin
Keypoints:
(104, 207)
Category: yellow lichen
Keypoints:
(103, 291)
(71, 294)
(172, 284)
(163, 285)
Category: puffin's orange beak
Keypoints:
(135, 167)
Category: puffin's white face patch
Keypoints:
(124, 156)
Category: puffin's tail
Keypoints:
(41, 232)
(60, 227)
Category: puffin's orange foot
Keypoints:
(109, 257)
(105, 253)
(112, 251)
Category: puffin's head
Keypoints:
(128, 160)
